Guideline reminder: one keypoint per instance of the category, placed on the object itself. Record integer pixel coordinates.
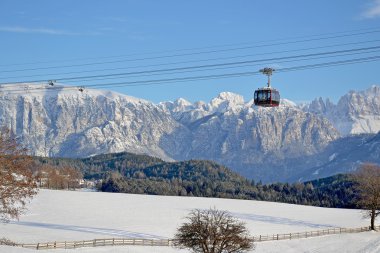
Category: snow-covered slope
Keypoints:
(109, 215)
(356, 112)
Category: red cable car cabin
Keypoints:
(267, 97)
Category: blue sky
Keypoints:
(51, 36)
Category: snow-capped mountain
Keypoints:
(262, 143)
(356, 112)
(66, 122)
(248, 139)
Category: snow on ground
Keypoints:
(368, 242)
(69, 215)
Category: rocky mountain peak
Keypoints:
(225, 101)
(287, 103)
(356, 112)
(361, 103)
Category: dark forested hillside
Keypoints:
(97, 166)
(189, 178)
(141, 174)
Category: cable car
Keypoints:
(267, 96)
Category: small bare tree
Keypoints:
(17, 185)
(213, 231)
(367, 180)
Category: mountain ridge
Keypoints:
(261, 143)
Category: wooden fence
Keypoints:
(290, 236)
(97, 243)
(169, 242)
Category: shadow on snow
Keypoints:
(93, 230)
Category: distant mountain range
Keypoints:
(289, 143)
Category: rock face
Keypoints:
(69, 123)
(355, 113)
(271, 144)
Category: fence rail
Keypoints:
(169, 242)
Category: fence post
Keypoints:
(277, 237)
(260, 239)
(290, 236)
(113, 241)
(38, 246)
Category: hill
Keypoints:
(141, 174)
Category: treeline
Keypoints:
(190, 178)
(141, 174)
(335, 191)
(208, 179)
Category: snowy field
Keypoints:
(69, 216)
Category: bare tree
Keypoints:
(57, 177)
(71, 176)
(213, 231)
(17, 185)
(367, 180)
